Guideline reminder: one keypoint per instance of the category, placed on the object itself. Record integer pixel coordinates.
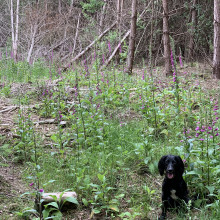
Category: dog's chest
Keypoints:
(173, 194)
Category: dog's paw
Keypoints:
(162, 217)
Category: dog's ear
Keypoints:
(180, 165)
(161, 165)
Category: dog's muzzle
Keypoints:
(170, 174)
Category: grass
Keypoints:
(116, 129)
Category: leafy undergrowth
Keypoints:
(101, 135)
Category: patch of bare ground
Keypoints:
(11, 187)
(196, 74)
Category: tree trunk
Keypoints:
(192, 31)
(14, 31)
(216, 56)
(33, 35)
(102, 15)
(166, 39)
(119, 5)
(132, 37)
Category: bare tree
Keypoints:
(119, 8)
(216, 57)
(130, 60)
(14, 31)
(166, 39)
(192, 31)
(102, 15)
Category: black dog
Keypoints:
(174, 189)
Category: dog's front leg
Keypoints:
(164, 209)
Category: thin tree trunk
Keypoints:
(102, 17)
(76, 35)
(14, 31)
(32, 43)
(192, 31)
(151, 39)
(216, 56)
(12, 26)
(60, 7)
(71, 6)
(130, 60)
(166, 39)
(119, 4)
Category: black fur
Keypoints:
(174, 188)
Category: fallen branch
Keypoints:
(50, 197)
(11, 108)
(47, 121)
(88, 47)
(4, 126)
(50, 121)
(67, 200)
(115, 50)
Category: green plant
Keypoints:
(102, 196)
(6, 90)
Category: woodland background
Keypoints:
(66, 28)
(94, 92)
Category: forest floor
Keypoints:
(12, 185)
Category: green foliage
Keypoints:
(92, 6)
(5, 90)
(11, 71)
(107, 136)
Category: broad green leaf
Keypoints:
(26, 193)
(96, 211)
(164, 132)
(101, 177)
(211, 189)
(194, 172)
(114, 208)
(85, 202)
(120, 196)
(46, 212)
(72, 200)
(54, 204)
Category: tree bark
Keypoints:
(216, 56)
(14, 31)
(192, 31)
(102, 15)
(130, 60)
(118, 11)
(33, 34)
(166, 39)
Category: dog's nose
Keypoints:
(169, 170)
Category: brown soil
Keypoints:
(11, 187)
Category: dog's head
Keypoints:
(172, 165)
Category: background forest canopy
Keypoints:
(74, 117)
(65, 28)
